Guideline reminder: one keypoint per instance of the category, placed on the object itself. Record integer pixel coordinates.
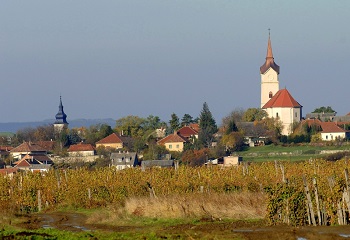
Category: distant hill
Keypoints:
(15, 126)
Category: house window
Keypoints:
(177, 146)
(270, 94)
(170, 146)
(296, 115)
(326, 136)
(276, 115)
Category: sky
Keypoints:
(111, 59)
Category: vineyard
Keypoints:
(313, 192)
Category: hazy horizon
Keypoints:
(111, 59)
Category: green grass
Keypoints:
(287, 153)
(67, 235)
(138, 228)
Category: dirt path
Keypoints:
(75, 222)
(60, 221)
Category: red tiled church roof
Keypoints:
(282, 99)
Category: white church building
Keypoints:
(278, 103)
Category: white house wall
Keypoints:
(333, 136)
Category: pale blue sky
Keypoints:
(119, 58)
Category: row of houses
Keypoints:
(37, 156)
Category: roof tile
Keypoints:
(28, 147)
(172, 138)
(331, 127)
(112, 138)
(282, 99)
(81, 147)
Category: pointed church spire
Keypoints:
(269, 63)
(61, 117)
(269, 49)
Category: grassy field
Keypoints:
(289, 153)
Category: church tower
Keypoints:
(61, 118)
(269, 72)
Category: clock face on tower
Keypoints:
(270, 77)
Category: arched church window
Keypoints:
(270, 94)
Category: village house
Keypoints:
(81, 150)
(27, 148)
(34, 163)
(49, 146)
(122, 160)
(113, 141)
(146, 164)
(173, 142)
(188, 133)
(331, 131)
(160, 132)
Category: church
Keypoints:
(278, 103)
(61, 119)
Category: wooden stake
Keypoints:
(282, 170)
(39, 201)
(340, 214)
(276, 167)
(308, 197)
(89, 193)
(346, 178)
(317, 203)
(346, 198)
(308, 212)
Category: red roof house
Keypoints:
(113, 141)
(173, 142)
(81, 149)
(331, 131)
(27, 148)
(187, 132)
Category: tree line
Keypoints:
(213, 141)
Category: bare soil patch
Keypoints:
(203, 229)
